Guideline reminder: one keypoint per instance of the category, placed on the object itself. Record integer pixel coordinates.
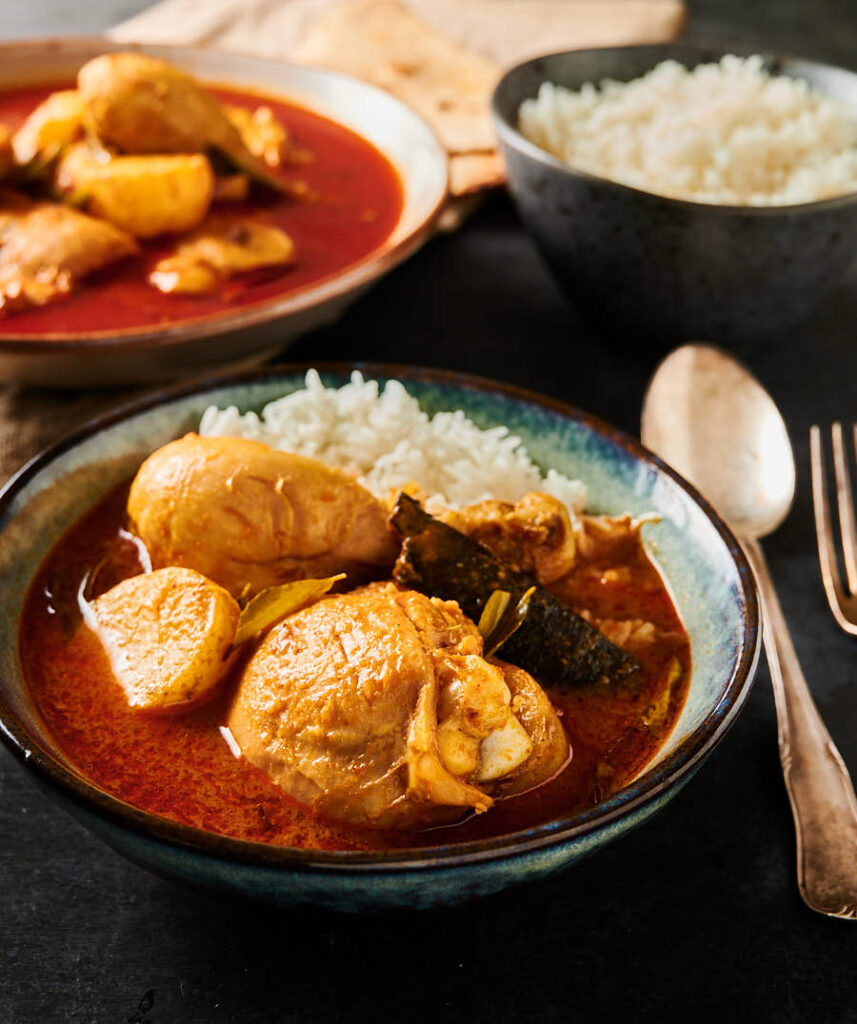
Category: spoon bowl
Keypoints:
(710, 418)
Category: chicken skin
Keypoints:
(250, 517)
(377, 708)
(534, 534)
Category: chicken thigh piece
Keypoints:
(45, 248)
(533, 709)
(140, 104)
(377, 708)
(534, 534)
(168, 635)
(250, 517)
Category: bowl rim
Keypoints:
(645, 790)
(322, 290)
(516, 140)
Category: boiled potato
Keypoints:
(144, 195)
(54, 124)
(167, 634)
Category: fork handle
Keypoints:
(819, 786)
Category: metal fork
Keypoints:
(842, 599)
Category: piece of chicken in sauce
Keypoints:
(250, 517)
(534, 534)
(266, 137)
(377, 708)
(221, 248)
(56, 123)
(45, 248)
(140, 104)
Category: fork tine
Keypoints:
(845, 502)
(824, 533)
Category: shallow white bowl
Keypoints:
(249, 334)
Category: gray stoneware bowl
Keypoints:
(647, 267)
(702, 562)
(249, 334)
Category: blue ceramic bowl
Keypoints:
(649, 268)
(701, 560)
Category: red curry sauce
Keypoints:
(181, 767)
(359, 203)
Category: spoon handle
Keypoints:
(817, 781)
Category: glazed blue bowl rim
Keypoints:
(643, 791)
(514, 139)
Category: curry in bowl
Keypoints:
(136, 197)
(250, 641)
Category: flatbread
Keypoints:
(382, 42)
(442, 57)
(472, 172)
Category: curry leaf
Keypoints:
(493, 611)
(275, 603)
(503, 618)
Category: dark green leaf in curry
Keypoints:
(500, 618)
(553, 642)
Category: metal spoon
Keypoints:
(707, 416)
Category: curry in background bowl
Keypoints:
(153, 197)
(467, 771)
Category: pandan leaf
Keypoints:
(275, 603)
(509, 621)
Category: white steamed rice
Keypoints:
(727, 133)
(387, 442)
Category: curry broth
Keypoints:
(359, 203)
(181, 767)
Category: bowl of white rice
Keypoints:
(681, 191)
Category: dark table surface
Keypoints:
(696, 916)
